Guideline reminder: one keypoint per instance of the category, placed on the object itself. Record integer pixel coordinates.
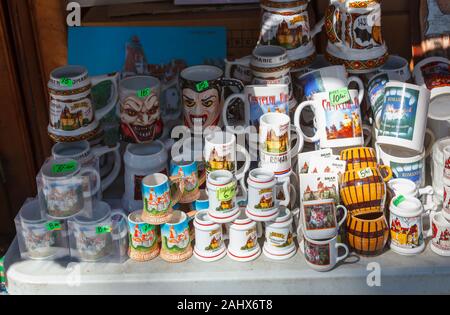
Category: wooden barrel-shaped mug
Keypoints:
(367, 234)
(364, 191)
(359, 158)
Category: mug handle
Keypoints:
(429, 233)
(121, 234)
(360, 87)
(297, 115)
(98, 152)
(294, 194)
(317, 28)
(243, 198)
(202, 177)
(345, 215)
(231, 83)
(102, 112)
(259, 229)
(238, 62)
(330, 21)
(227, 103)
(387, 171)
(240, 174)
(287, 196)
(177, 181)
(429, 203)
(298, 148)
(339, 258)
(98, 182)
(432, 141)
(369, 132)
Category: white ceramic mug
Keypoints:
(398, 67)
(209, 239)
(337, 125)
(446, 202)
(319, 218)
(262, 204)
(437, 168)
(407, 188)
(243, 237)
(279, 243)
(322, 255)
(440, 234)
(404, 116)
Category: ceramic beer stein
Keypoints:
(404, 116)
(65, 187)
(82, 152)
(140, 112)
(287, 24)
(440, 234)
(446, 201)
(407, 188)
(72, 113)
(319, 218)
(279, 235)
(338, 126)
(159, 194)
(93, 235)
(202, 89)
(262, 204)
(209, 239)
(143, 238)
(355, 40)
(175, 237)
(437, 168)
(222, 191)
(322, 255)
(141, 160)
(407, 237)
(243, 235)
(189, 174)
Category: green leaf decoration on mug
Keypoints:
(227, 192)
(340, 96)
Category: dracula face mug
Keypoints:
(159, 195)
(337, 125)
(66, 187)
(404, 116)
(202, 89)
(322, 255)
(209, 243)
(263, 204)
(143, 238)
(72, 114)
(175, 237)
(140, 113)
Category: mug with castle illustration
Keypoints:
(279, 243)
(72, 116)
(159, 194)
(143, 238)
(175, 237)
(188, 172)
(209, 239)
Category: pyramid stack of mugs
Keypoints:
(282, 150)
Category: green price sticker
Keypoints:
(103, 229)
(202, 86)
(226, 193)
(146, 227)
(63, 168)
(399, 200)
(66, 82)
(340, 96)
(144, 93)
(53, 226)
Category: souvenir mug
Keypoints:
(159, 194)
(293, 182)
(209, 239)
(141, 160)
(72, 114)
(279, 243)
(398, 67)
(40, 239)
(336, 125)
(447, 161)
(220, 154)
(359, 158)
(202, 203)
(143, 238)
(364, 191)
(404, 116)
(65, 187)
(82, 152)
(94, 235)
(239, 72)
(202, 89)
(287, 24)
(175, 237)
(437, 168)
(446, 201)
(353, 29)
(262, 204)
(319, 218)
(407, 188)
(243, 237)
(407, 237)
(222, 190)
(367, 234)
(328, 79)
(189, 174)
(434, 73)
(140, 112)
(322, 255)
(259, 100)
(440, 234)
